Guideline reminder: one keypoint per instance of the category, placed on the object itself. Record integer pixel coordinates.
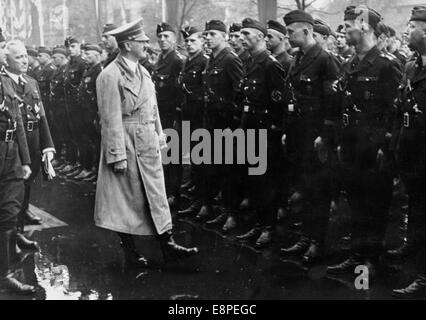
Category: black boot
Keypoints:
(132, 256)
(204, 214)
(408, 249)
(219, 220)
(298, 249)
(251, 234)
(314, 253)
(31, 219)
(26, 244)
(346, 267)
(192, 210)
(416, 290)
(172, 251)
(7, 251)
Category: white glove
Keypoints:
(48, 168)
(162, 140)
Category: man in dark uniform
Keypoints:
(34, 67)
(222, 78)
(276, 42)
(344, 51)
(73, 76)
(191, 81)
(110, 43)
(44, 78)
(263, 87)
(311, 135)
(61, 131)
(169, 97)
(411, 152)
(40, 142)
(90, 147)
(14, 168)
(236, 43)
(369, 86)
(393, 46)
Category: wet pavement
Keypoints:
(80, 261)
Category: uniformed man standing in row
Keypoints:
(264, 102)
(169, 96)
(191, 82)
(14, 168)
(38, 136)
(222, 78)
(393, 46)
(311, 139)
(369, 87)
(89, 130)
(34, 67)
(277, 43)
(110, 43)
(235, 42)
(344, 52)
(411, 150)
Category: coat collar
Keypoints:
(308, 58)
(419, 70)
(259, 58)
(197, 58)
(367, 62)
(124, 68)
(220, 56)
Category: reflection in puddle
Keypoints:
(55, 280)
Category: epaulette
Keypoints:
(206, 56)
(388, 56)
(52, 67)
(180, 55)
(272, 58)
(233, 52)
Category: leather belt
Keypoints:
(31, 125)
(8, 135)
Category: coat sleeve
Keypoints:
(112, 131)
(276, 85)
(21, 137)
(46, 141)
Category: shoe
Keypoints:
(416, 290)
(314, 253)
(265, 238)
(173, 202)
(230, 224)
(74, 173)
(132, 257)
(172, 251)
(405, 251)
(84, 174)
(67, 169)
(219, 220)
(204, 214)
(25, 244)
(92, 178)
(218, 198)
(60, 166)
(193, 209)
(31, 219)
(56, 163)
(346, 267)
(252, 234)
(298, 249)
(245, 204)
(7, 257)
(187, 186)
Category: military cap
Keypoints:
(92, 47)
(189, 31)
(32, 51)
(163, 27)
(235, 27)
(353, 12)
(2, 38)
(321, 27)
(109, 27)
(254, 24)
(275, 25)
(341, 29)
(298, 16)
(381, 28)
(59, 50)
(215, 25)
(132, 31)
(45, 50)
(70, 40)
(418, 14)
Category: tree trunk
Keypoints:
(173, 12)
(267, 10)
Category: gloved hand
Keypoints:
(48, 168)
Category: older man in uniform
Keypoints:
(131, 197)
(90, 134)
(411, 152)
(170, 97)
(73, 76)
(14, 168)
(222, 78)
(110, 43)
(263, 87)
(311, 137)
(40, 142)
(369, 86)
(191, 81)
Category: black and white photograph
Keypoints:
(220, 153)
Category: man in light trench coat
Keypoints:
(131, 196)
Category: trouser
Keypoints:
(33, 139)
(11, 185)
(89, 145)
(74, 117)
(61, 131)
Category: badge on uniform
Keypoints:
(2, 107)
(87, 79)
(406, 120)
(276, 96)
(246, 108)
(37, 108)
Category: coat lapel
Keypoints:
(308, 59)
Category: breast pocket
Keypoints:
(215, 76)
(308, 83)
(367, 87)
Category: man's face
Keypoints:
(91, 56)
(166, 40)
(43, 58)
(74, 49)
(340, 40)
(214, 39)
(273, 39)
(250, 38)
(110, 42)
(235, 40)
(58, 59)
(320, 39)
(31, 60)
(353, 33)
(297, 34)
(194, 44)
(138, 49)
(17, 59)
(415, 34)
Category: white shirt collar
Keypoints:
(132, 65)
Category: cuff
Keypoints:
(49, 150)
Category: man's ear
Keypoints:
(127, 46)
